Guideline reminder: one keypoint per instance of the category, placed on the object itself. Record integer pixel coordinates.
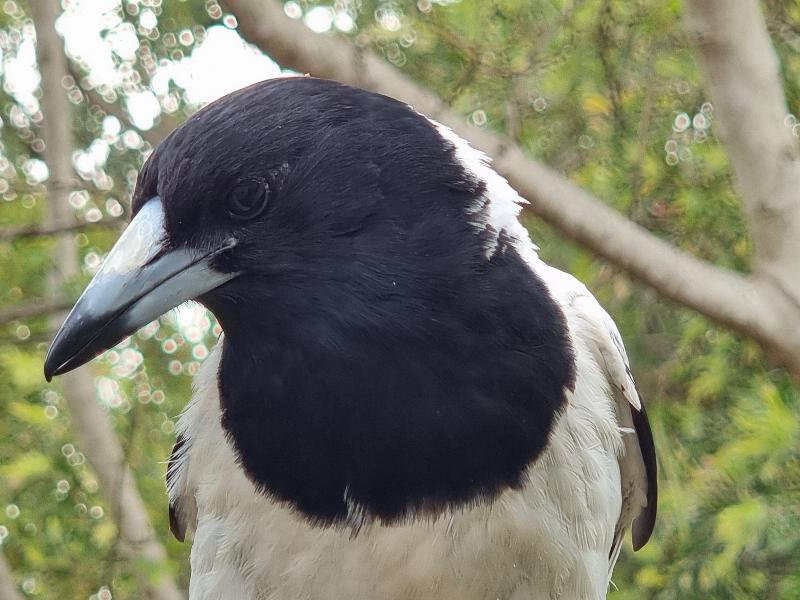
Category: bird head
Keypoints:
(386, 343)
(283, 180)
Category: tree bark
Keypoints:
(37, 307)
(153, 136)
(93, 427)
(8, 590)
(742, 75)
(755, 306)
(21, 231)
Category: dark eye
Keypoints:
(247, 199)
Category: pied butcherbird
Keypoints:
(407, 402)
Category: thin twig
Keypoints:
(153, 136)
(38, 307)
(22, 231)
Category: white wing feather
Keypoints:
(598, 332)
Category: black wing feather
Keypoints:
(176, 523)
(643, 525)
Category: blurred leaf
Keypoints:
(31, 414)
(26, 466)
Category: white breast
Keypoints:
(549, 540)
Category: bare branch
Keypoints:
(37, 307)
(8, 591)
(101, 445)
(92, 423)
(742, 75)
(154, 136)
(22, 231)
(728, 297)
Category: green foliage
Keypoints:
(607, 92)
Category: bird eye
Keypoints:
(247, 199)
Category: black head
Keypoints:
(298, 169)
(377, 357)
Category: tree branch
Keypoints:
(23, 231)
(154, 136)
(37, 307)
(92, 423)
(747, 305)
(742, 76)
(8, 590)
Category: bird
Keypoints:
(406, 402)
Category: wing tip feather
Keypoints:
(645, 522)
(177, 525)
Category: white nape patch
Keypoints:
(502, 203)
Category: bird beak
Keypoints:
(139, 281)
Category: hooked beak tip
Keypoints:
(50, 371)
(49, 367)
(52, 366)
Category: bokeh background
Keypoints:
(607, 92)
